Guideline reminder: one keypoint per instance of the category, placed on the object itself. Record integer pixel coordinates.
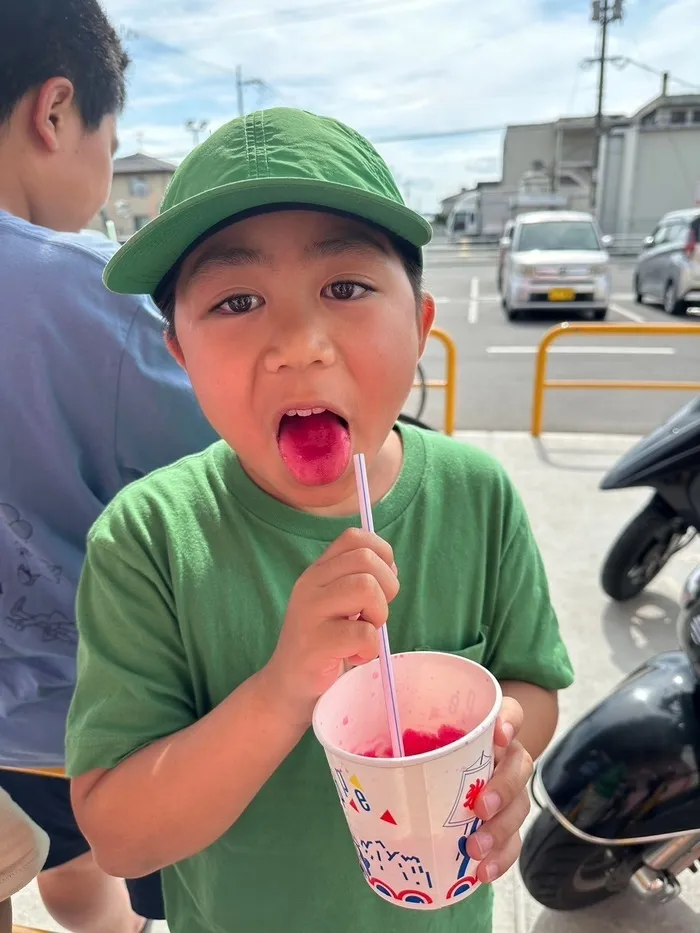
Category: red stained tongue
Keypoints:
(314, 448)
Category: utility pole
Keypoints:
(196, 127)
(241, 84)
(603, 12)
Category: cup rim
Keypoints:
(411, 760)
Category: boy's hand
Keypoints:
(504, 802)
(333, 615)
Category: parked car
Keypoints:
(668, 269)
(555, 261)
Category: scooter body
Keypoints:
(668, 460)
(623, 784)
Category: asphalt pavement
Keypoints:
(496, 357)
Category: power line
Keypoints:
(128, 33)
(622, 61)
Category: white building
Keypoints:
(649, 164)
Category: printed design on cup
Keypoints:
(461, 815)
(473, 781)
(352, 796)
(406, 872)
(464, 881)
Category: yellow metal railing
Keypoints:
(608, 330)
(449, 383)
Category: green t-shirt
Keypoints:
(183, 594)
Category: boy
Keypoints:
(23, 851)
(90, 400)
(218, 596)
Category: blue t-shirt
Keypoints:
(91, 400)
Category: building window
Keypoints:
(696, 116)
(678, 117)
(649, 119)
(140, 220)
(138, 186)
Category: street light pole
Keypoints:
(239, 90)
(241, 84)
(196, 127)
(603, 12)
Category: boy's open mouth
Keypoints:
(314, 444)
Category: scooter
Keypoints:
(668, 460)
(620, 791)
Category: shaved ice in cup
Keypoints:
(410, 818)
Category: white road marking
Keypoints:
(630, 315)
(473, 312)
(610, 351)
(446, 301)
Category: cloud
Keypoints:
(391, 67)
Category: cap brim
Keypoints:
(142, 262)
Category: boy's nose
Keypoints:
(300, 344)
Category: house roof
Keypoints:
(140, 164)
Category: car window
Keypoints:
(558, 234)
(678, 233)
(660, 235)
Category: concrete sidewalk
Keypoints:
(574, 523)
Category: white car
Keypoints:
(556, 261)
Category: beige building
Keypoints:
(649, 165)
(138, 187)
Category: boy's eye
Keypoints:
(346, 291)
(239, 304)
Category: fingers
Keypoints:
(357, 595)
(509, 779)
(509, 722)
(493, 836)
(345, 640)
(352, 540)
(498, 864)
(360, 561)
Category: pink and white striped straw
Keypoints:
(392, 708)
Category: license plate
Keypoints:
(562, 294)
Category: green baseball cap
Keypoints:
(279, 156)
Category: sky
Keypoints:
(394, 68)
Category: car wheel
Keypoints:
(638, 294)
(600, 314)
(672, 304)
(509, 312)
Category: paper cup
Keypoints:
(410, 818)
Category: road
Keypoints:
(496, 357)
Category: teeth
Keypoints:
(304, 412)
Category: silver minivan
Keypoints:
(668, 269)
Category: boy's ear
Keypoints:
(426, 320)
(51, 111)
(173, 345)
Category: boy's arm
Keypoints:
(198, 783)
(141, 739)
(541, 711)
(135, 741)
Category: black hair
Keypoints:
(164, 294)
(73, 39)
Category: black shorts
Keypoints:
(47, 801)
